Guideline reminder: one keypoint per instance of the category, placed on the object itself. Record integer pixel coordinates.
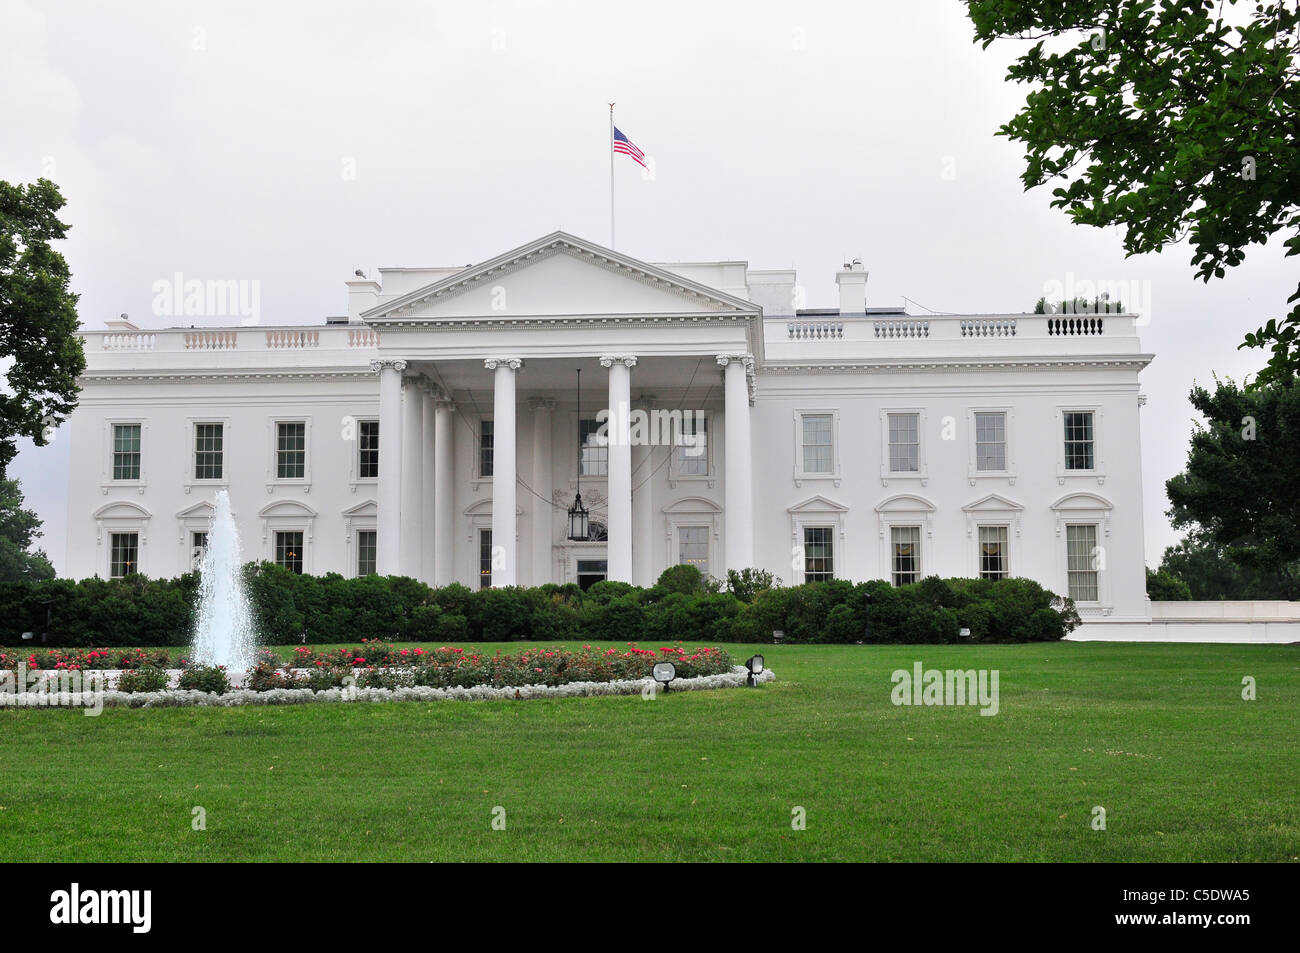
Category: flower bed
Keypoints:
(179, 698)
(379, 667)
(82, 660)
(380, 664)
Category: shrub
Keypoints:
(748, 583)
(291, 608)
(205, 678)
(327, 676)
(684, 579)
(142, 680)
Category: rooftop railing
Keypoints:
(946, 327)
(231, 339)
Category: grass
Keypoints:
(1158, 735)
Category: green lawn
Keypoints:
(1158, 735)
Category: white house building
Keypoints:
(435, 432)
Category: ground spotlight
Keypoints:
(755, 666)
(664, 673)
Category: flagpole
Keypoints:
(611, 175)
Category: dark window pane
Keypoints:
(485, 444)
(368, 449)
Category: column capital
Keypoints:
(393, 363)
(541, 403)
(609, 360)
(746, 359)
(514, 363)
(432, 388)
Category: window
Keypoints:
(198, 548)
(593, 452)
(905, 544)
(590, 572)
(367, 544)
(124, 550)
(818, 443)
(288, 550)
(991, 441)
(993, 552)
(485, 434)
(1081, 566)
(368, 449)
(291, 450)
(692, 440)
(208, 452)
(485, 559)
(1079, 440)
(904, 445)
(818, 553)
(126, 451)
(693, 445)
(693, 547)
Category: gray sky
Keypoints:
(213, 138)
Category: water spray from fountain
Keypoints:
(225, 634)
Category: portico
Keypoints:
(478, 410)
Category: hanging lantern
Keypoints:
(579, 519)
(579, 522)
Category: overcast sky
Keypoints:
(217, 140)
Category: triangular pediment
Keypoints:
(817, 504)
(558, 275)
(365, 508)
(993, 503)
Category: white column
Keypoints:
(543, 511)
(738, 477)
(389, 520)
(444, 493)
(643, 550)
(429, 474)
(620, 466)
(505, 555)
(412, 466)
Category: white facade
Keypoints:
(852, 441)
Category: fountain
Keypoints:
(225, 634)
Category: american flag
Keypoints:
(624, 145)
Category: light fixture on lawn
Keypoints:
(755, 666)
(664, 673)
(579, 518)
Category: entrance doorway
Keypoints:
(591, 571)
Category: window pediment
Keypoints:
(122, 509)
(287, 509)
(993, 503)
(691, 504)
(817, 504)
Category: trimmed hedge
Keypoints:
(300, 609)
